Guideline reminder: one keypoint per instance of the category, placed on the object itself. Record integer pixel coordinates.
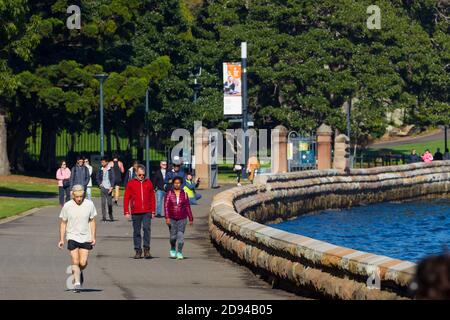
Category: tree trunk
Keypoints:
(17, 138)
(73, 142)
(17, 150)
(47, 158)
(4, 162)
(116, 134)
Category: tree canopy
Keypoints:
(306, 60)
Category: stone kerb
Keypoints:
(236, 215)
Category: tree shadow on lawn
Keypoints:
(14, 193)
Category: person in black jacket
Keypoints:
(414, 157)
(438, 155)
(80, 175)
(159, 183)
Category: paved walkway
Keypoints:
(436, 135)
(32, 267)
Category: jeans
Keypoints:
(177, 228)
(64, 195)
(159, 201)
(195, 199)
(89, 193)
(141, 221)
(106, 199)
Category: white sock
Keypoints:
(76, 273)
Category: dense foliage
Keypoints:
(306, 60)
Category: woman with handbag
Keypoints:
(63, 177)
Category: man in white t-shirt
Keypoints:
(78, 225)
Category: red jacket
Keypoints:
(179, 211)
(140, 196)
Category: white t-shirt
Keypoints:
(90, 174)
(78, 217)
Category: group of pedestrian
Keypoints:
(252, 168)
(427, 156)
(174, 189)
(109, 179)
(81, 174)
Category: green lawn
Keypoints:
(420, 147)
(34, 189)
(13, 206)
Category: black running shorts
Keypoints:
(72, 245)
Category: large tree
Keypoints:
(20, 33)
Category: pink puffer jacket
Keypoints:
(179, 211)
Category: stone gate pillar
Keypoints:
(324, 133)
(340, 143)
(278, 153)
(201, 154)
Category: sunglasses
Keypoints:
(141, 175)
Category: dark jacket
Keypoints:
(79, 175)
(158, 180)
(139, 197)
(129, 175)
(438, 156)
(179, 211)
(110, 176)
(172, 174)
(413, 158)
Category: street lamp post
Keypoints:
(445, 138)
(244, 105)
(101, 77)
(349, 110)
(197, 73)
(147, 139)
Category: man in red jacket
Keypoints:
(139, 201)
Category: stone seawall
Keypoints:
(308, 265)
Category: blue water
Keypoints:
(406, 231)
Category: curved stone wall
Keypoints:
(304, 264)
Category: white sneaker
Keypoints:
(77, 287)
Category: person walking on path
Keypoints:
(427, 156)
(105, 179)
(253, 165)
(414, 157)
(438, 155)
(190, 187)
(80, 175)
(160, 186)
(131, 173)
(118, 169)
(78, 226)
(175, 172)
(177, 212)
(139, 204)
(63, 177)
(89, 186)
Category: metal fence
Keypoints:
(302, 151)
(69, 145)
(374, 159)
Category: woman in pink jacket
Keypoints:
(177, 211)
(63, 176)
(427, 156)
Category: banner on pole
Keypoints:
(232, 92)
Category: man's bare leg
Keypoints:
(75, 255)
(116, 193)
(83, 254)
